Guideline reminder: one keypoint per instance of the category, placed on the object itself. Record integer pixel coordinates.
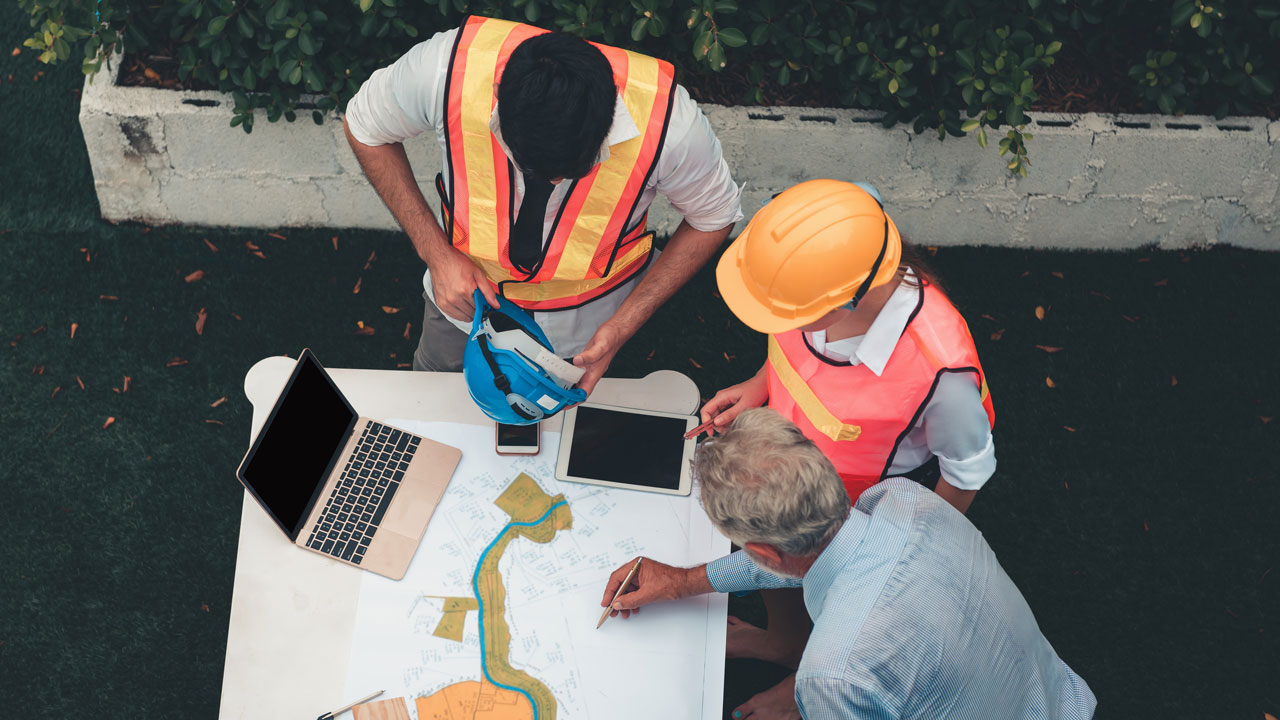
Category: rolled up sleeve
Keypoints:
(736, 572)
(959, 434)
(692, 173)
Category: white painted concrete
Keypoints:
(161, 156)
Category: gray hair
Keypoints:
(763, 481)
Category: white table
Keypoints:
(293, 612)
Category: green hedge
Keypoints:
(953, 67)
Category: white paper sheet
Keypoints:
(666, 662)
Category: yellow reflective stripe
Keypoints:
(559, 289)
(983, 393)
(613, 175)
(477, 143)
(806, 400)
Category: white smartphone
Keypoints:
(515, 439)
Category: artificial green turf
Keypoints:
(1144, 537)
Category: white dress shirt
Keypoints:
(407, 98)
(954, 424)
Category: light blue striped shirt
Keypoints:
(913, 617)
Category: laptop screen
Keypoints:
(295, 449)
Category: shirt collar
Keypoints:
(832, 560)
(882, 337)
(623, 129)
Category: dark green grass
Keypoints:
(1145, 539)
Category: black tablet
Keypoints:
(626, 448)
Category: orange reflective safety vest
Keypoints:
(592, 250)
(859, 419)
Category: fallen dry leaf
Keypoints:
(1162, 283)
(115, 390)
(151, 74)
(1145, 526)
(390, 310)
(112, 298)
(1268, 716)
(650, 355)
(277, 236)
(998, 334)
(175, 362)
(212, 247)
(728, 357)
(1102, 295)
(259, 254)
(204, 607)
(1025, 273)
(1130, 319)
(250, 244)
(1144, 260)
(933, 249)
(1049, 381)
(356, 290)
(218, 402)
(107, 424)
(406, 330)
(198, 274)
(37, 370)
(1265, 419)
(1039, 312)
(1050, 348)
(335, 242)
(234, 315)
(1056, 274)
(200, 318)
(55, 392)
(373, 255)
(127, 380)
(74, 327)
(362, 329)
(988, 317)
(15, 341)
(80, 382)
(39, 330)
(16, 52)
(694, 363)
(214, 422)
(1173, 381)
(400, 366)
(1068, 428)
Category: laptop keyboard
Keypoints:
(370, 479)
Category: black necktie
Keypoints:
(526, 237)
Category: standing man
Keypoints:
(913, 617)
(553, 151)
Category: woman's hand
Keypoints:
(729, 402)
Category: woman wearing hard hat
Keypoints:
(866, 355)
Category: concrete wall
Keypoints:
(161, 156)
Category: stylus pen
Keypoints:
(344, 708)
(605, 615)
(700, 429)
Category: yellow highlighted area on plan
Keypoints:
(455, 616)
(472, 700)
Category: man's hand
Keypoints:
(654, 582)
(731, 401)
(454, 279)
(595, 358)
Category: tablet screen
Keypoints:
(627, 448)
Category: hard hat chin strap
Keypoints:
(500, 381)
(875, 267)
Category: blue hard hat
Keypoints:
(512, 371)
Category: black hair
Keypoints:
(555, 105)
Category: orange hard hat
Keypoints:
(815, 247)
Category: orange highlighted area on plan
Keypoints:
(473, 700)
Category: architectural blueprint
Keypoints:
(495, 619)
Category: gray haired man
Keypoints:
(913, 616)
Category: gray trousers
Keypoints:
(441, 344)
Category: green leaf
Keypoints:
(249, 80)
(970, 125)
(1262, 85)
(866, 6)
(217, 24)
(1196, 20)
(716, 57)
(532, 11)
(366, 5)
(759, 34)
(964, 56)
(1013, 115)
(982, 137)
(1182, 12)
(733, 37)
(638, 28)
(242, 24)
(317, 117)
(305, 44)
(893, 85)
(295, 75)
(1053, 48)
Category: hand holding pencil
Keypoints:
(724, 406)
(643, 581)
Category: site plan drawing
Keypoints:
(495, 619)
